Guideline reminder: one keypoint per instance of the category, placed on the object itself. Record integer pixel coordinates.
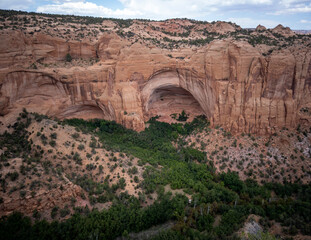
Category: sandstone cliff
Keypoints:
(228, 80)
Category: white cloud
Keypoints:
(292, 7)
(153, 9)
(180, 8)
(15, 4)
(249, 22)
(64, 1)
(86, 8)
(195, 9)
(305, 21)
(162, 9)
(288, 3)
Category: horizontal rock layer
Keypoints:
(229, 81)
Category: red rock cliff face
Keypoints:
(228, 81)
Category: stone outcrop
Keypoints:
(285, 31)
(16, 49)
(229, 81)
(260, 28)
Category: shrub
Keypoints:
(133, 170)
(68, 57)
(90, 167)
(93, 144)
(81, 147)
(183, 116)
(52, 143)
(54, 212)
(136, 179)
(22, 193)
(12, 175)
(75, 135)
(43, 139)
(53, 135)
(77, 158)
(64, 212)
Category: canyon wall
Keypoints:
(229, 81)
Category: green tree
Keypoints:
(68, 57)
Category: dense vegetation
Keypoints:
(213, 195)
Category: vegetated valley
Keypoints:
(77, 179)
(139, 129)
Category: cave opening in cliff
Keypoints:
(169, 101)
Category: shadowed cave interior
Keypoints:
(168, 100)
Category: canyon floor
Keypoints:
(66, 169)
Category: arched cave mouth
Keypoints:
(169, 100)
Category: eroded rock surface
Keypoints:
(228, 80)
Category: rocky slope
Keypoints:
(128, 71)
(60, 170)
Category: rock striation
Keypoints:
(228, 80)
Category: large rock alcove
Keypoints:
(46, 95)
(165, 94)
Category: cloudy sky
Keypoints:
(295, 14)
